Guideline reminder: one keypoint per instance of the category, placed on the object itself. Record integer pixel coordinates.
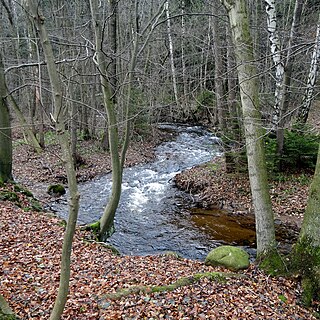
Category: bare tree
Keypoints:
(283, 67)
(5, 132)
(249, 94)
(59, 121)
(303, 111)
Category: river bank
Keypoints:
(30, 246)
(212, 187)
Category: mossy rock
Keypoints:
(56, 190)
(230, 257)
(6, 312)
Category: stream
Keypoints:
(151, 217)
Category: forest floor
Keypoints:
(30, 247)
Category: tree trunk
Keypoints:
(283, 118)
(219, 70)
(312, 77)
(31, 138)
(247, 76)
(5, 132)
(62, 133)
(107, 219)
(173, 68)
(275, 49)
(306, 253)
(113, 47)
(233, 106)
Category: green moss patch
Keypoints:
(273, 263)
(305, 260)
(56, 190)
(20, 196)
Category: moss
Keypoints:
(56, 190)
(305, 260)
(273, 263)
(62, 223)
(35, 205)
(93, 227)
(184, 281)
(6, 312)
(22, 190)
(20, 196)
(8, 317)
(9, 196)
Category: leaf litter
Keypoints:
(30, 250)
(30, 261)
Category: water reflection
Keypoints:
(230, 228)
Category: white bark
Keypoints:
(173, 69)
(275, 48)
(309, 93)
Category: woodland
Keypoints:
(84, 85)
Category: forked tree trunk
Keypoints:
(247, 76)
(107, 219)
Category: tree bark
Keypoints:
(31, 138)
(247, 76)
(312, 78)
(107, 219)
(275, 49)
(5, 132)
(219, 70)
(286, 81)
(306, 253)
(173, 68)
(62, 134)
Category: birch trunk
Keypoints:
(183, 62)
(247, 76)
(275, 49)
(173, 69)
(283, 118)
(309, 93)
(62, 134)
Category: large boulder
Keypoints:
(230, 257)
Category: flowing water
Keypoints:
(150, 218)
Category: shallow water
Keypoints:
(150, 218)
